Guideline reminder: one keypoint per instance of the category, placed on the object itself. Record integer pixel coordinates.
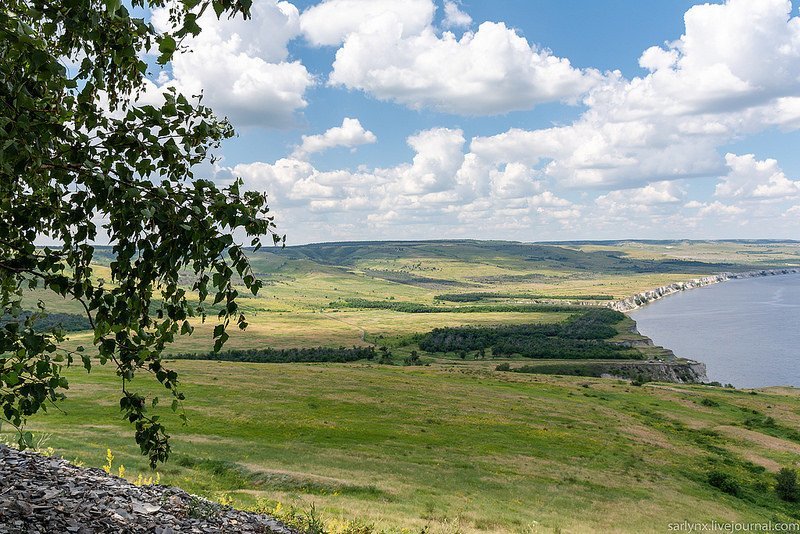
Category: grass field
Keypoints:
(454, 446)
(457, 448)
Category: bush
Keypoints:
(503, 367)
(711, 403)
(639, 380)
(786, 485)
(413, 359)
(725, 482)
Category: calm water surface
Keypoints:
(747, 332)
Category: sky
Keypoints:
(508, 119)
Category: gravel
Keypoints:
(40, 494)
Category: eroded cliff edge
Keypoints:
(640, 299)
(672, 368)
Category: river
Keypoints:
(746, 331)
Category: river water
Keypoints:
(746, 331)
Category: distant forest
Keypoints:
(267, 355)
(412, 307)
(580, 337)
(477, 297)
(68, 322)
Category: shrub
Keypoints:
(711, 403)
(640, 380)
(413, 359)
(503, 367)
(724, 482)
(786, 485)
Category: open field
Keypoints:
(457, 448)
(454, 446)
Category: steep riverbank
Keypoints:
(745, 331)
(640, 299)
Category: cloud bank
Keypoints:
(647, 154)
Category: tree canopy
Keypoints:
(82, 163)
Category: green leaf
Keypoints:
(112, 6)
(10, 378)
(219, 330)
(167, 47)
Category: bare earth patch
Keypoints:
(768, 442)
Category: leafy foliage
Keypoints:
(81, 162)
(318, 354)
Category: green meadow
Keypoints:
(451, 445)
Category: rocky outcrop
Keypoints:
(645, 297)
(41, 495)
(680, 371)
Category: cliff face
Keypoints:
(688, 371)
(645, 297)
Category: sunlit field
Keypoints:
(451, 445)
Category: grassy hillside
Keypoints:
(456, 448)
(454, 445)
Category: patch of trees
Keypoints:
(580, 337)
(317, 354)
(413, 307)
(572, 349)
(477, 297)
(591, 369)
(68, 322)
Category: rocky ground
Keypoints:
(46, 495)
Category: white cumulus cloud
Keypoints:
(242, 66)
(751, 178)
(350, 134)
(331, 21)
(639, 160)
(733, 72)
(454, 17)
(490, 71)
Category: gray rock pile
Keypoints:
(41, 495)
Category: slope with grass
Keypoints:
(456, 448)
(454, 445)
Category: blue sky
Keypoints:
(509, 119)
